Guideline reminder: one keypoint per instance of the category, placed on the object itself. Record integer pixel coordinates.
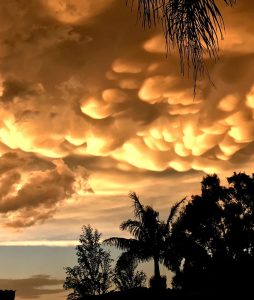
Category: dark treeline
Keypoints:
(207, 241)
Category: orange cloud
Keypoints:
(81, 82)
(31, 196)
(75, 11)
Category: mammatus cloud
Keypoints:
(75, 11)
(33, 287)
(80, 81)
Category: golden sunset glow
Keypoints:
(75, 11)
(92, 108)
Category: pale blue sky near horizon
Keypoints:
(30, 263)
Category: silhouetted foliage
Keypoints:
(158, 283)
(192, 27)
(212, 246)
(150, 236)
(125, 274)
(93, 274)
(163, 294)
(7, 295)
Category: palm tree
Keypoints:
(191, 26)
(150, 235)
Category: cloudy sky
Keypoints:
(90, 108)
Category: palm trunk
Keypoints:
(156, 267)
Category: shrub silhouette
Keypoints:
(125, 277)
(160, 284)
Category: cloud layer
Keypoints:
(30, 192)
(33, 287)
(81, 82)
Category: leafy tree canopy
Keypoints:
(212, 246)
(93, 274)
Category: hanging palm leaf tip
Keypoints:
(138, 207)
(193, 27)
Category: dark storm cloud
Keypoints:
(30, 192)
(13, 88)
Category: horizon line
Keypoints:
(44, 243)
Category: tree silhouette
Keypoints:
(150, 237)
(213, 239)
(193, 27)
(125, 276)
(93, 274)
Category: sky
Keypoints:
(90, 109)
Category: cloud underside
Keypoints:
(31, 190)
(80, 85)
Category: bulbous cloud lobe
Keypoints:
(80, 79)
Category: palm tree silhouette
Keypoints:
(193, 27)
(150, 235)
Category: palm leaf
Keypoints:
(230, 2)
(121, 243)
(126, 258)
(173, 211)
(148, 10)
(138, 207)
(191, 26)
(133, 226)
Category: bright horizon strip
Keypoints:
(63, 243)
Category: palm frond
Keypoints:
(173, 211)
(138, 207)
(230, 2)
(136, 255)
(133, 226)
(126, 258)
(121, 243)
(191, 26)
(148, 10)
